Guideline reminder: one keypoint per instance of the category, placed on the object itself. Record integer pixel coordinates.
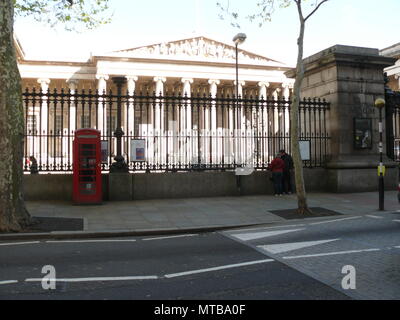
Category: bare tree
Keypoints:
(263, 14)
(71, 13)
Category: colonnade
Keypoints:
(209, 141)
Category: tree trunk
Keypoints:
(294, 121)
(13, 214)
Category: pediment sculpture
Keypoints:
(195, 48)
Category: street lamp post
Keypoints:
(380, 104)
(238, 39)
(119, 165)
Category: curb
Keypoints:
(62, 235)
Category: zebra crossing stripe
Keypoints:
(285, 247)
(264, 234)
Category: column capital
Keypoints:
(44, 83)
(72, 83)
(102, 77)
(214, 81)
(160, 79)
(185, 80)
(287, 85)
(263, 84)
(131, 83)
(132, 78)
(241, 83)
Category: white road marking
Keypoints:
(396, 220)
(18, 243)
(87, 241)
(8, 282)
(259, 235)
(374, 217)
(94, 279)
(266, 228)
(181, 274)
(329, 254)
(336, 220)
(171, 237)
(285, 247)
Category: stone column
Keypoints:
(263, 122)
(44, 119)
(213, 124)
(160, 141)
(186, 92)
(130, 130)
(277, 112)
(350, 78)
(131, 112)
(286, 95)
(102, 109)
(73, 85)
(186, 123)
(263, 87)
(240, 126)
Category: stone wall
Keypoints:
(170, 185)
(351, 79)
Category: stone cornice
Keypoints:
(189, 62)
(343, 55)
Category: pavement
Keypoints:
(175, 216)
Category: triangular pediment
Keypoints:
(18, 48)
(198, 48)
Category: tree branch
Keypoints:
(316, 8)
(298, 3)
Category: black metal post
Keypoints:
(381, 181)
(237, 115)
(119, 165)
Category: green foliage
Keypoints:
(262, 13)
(264, 9)
(73, 15)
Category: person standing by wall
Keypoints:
(276, 166)
(286, 178)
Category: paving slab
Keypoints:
(177, 215)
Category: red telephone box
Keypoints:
(87, 182)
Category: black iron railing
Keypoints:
(178, 133)
(392, 129)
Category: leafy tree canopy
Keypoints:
(72, 14)
(264, 9)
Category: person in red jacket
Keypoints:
(277, 166)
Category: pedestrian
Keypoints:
(33, 165)
(287, 172)
(276, 166)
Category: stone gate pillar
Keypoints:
(350, 78)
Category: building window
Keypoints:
(85, 121)
(111, 125)
(31, 124)
(58, 125)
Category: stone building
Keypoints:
(393, 71)
(194, 66)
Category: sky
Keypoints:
(365, 23)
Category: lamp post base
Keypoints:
(381, 194)
(119, 166)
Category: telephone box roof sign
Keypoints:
(80, 132)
